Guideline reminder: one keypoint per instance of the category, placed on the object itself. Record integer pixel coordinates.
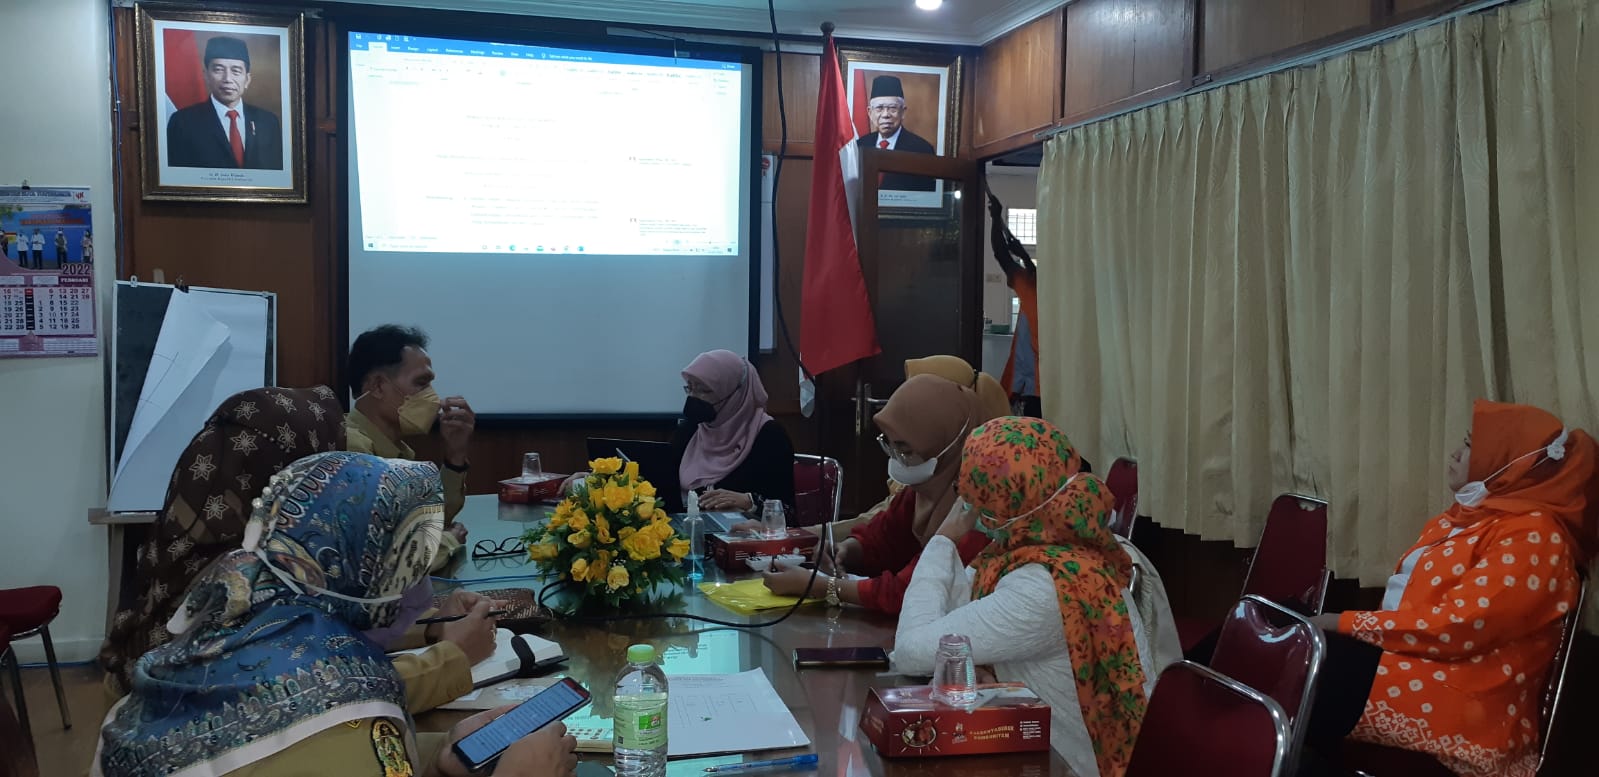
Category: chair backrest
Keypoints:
(1200, 721)
(1554, 687)
(818, 489)
(1290, 563)
(1276, 651)
(1122, 480)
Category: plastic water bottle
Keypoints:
(954, 673)
(694, 525)
(640, 725)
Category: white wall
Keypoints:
(52, 411)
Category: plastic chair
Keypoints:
(1278, 652)
(26, 612)
(1202, 722)
(818, 489)
(1123, 483)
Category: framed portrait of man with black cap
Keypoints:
(220, 94)
(903, 103)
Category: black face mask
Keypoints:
(697, 411)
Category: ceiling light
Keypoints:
(929, 5)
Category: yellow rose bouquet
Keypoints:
(610, 537)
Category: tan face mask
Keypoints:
(418, 412)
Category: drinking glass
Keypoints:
(532, 467)
(773, 522)
(954, 674)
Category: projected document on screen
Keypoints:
(512, 149)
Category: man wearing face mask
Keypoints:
(391, 377)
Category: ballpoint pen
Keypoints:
(453, 618)
(797, 762)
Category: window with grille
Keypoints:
(1023, 224)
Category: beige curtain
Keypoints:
(1301, 282)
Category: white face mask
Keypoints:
(992, 531)
(917, 474)
(1473, 494)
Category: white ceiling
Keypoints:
(963, 22)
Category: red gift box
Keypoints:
(546, 487)
(905, 721)
(730, 551)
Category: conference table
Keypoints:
(827, 703)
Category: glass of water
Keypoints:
(954, 673)
(532, 467)
(773, 522)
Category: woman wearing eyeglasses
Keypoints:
(727, 448)
(923, 426)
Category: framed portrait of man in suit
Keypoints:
(221, 106)
(902, 102)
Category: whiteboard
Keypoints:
(210, 345)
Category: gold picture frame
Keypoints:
(221, 105)
(919, 80)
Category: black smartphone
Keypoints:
(481, 747)
(843, 658)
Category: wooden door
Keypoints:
(921, 253)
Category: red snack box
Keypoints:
(905, 721)
(524, 492)
(730, 551)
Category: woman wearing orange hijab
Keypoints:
(1472, 617)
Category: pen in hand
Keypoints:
(454, 618)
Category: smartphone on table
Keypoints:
(841, 658)
(481, 747)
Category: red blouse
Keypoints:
(891, 551)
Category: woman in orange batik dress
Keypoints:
(1472, 618)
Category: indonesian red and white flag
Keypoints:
(836, 323)
(185, 78)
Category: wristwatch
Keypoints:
(460, 470)
(832, 591)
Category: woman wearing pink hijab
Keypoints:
(729, 450)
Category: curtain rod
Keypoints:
(1367, 41)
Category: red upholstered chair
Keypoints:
(26, 612)
(1278, 652)
(818, 490)
(1123, 483)
(1202, 722)
(1369, 760)
(1289, 565)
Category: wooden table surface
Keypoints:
(827, 703)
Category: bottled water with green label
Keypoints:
(640, 725)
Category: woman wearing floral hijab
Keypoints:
(1047, 603)
(269, 673)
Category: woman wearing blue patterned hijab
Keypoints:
(270, 651)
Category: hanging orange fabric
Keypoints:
(1467, 651)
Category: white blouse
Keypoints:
(1017, 630)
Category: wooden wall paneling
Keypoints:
(802, 77)
(1239, 32)
(1016, 85)
(1100, 38)
(1163, 53)
(1422, 7)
